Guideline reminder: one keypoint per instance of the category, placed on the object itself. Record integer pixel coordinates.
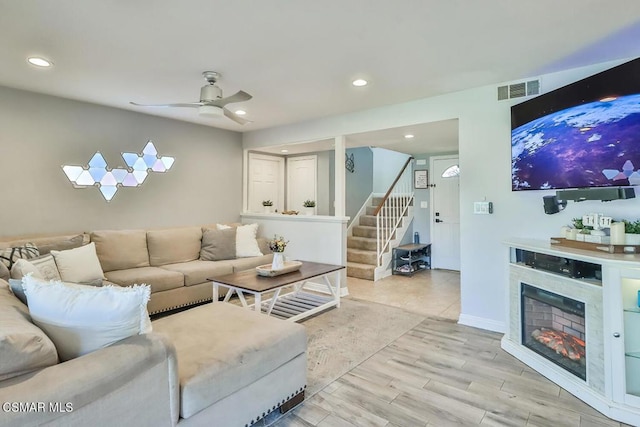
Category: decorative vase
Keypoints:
(309, 211)
(278, 261)
(267, 209)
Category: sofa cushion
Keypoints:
(81, 319)
(62, 243)
(174, 245)
(196, 272)
(218, 245)
(218, 361)
(23, 346)
(159, 279)
(121, 249)
(79, 265)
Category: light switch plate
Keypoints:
(482, 208)
(424, 205)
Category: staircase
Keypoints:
(362, 245)
(380, 228)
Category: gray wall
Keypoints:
(359, 184)
(39, 133)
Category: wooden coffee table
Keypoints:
(295, 305)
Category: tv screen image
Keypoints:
(595, 144)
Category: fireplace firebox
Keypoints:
(554, 327)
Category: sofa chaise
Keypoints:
(213, 365)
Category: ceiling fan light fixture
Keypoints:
(240, 112)
(210, 111)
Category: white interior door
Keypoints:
(302, 182)
(445, 213)
(266, 182)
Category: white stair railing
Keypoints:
(392, 208)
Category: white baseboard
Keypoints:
(322, 288)
(482, 323)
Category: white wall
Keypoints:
(387, 164)
(485, 163)
(39, 133)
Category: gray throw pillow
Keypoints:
(218, 245)
(18, 291)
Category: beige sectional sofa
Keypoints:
(189, 371)
(166, 259)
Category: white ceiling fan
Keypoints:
(211, 103)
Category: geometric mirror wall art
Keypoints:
(98, 174)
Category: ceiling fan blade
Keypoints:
(235, 117)
(236, 97)
(184, 104)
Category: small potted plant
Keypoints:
(632, 232)
(582, 229)
(309, 207)
(268, 204)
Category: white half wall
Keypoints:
(485, 163)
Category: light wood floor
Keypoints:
(439, 373)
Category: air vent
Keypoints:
(518, 90)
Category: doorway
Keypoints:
(266, 181)
(302, 181)
(445, 212)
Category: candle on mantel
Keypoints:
(617, 233)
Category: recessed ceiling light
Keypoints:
(241, 112)
(39, 62)
(284, 151)
(360, 82)
(408, 136)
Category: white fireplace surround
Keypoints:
(590, 295)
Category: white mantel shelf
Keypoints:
(612, 318)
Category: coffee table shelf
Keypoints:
(298, 304)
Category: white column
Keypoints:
(340, 185)
(245, 180)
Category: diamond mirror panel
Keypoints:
(96, 173)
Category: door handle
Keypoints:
(439, 220)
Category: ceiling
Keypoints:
(298, 57)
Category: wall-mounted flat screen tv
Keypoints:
(586, 134)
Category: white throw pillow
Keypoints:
(79, 265)
(81, 319)
(246, 243)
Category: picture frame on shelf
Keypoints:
(420, 179)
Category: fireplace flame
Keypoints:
(562, 343)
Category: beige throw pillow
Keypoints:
(218, 245)
(79, 265)
(43, 267)
(4, 272)
(61, 245)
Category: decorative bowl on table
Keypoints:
(289, 267)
